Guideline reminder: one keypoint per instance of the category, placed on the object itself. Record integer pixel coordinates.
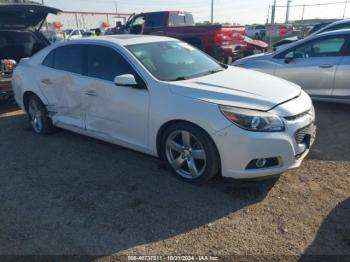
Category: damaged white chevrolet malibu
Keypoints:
(165, 98)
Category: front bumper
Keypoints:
(238, 148)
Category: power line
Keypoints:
(306, 5)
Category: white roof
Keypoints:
(128, 39)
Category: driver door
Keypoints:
(115, 113)
(312, 65)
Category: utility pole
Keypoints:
(212, 11)
(268, 15)
(116, 6)
(302, 16)
(346, 3)
(273, 13)
(287, 12)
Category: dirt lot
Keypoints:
(69, 194)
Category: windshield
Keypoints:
(174, 60)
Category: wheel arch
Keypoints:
(166, 125)
(26, 96)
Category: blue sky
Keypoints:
(238, 11)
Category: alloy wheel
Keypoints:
(35, 116)
(186, 154)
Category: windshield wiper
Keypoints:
(210, 72)
(215, 71)
(180, 78)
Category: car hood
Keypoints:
(238, 87)
(257, 57)
(24, 15)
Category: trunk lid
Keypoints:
(24, 15)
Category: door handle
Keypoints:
(326, 66)
(46, 81)
(91, 93)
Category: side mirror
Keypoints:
(289, 57)
(128, 80)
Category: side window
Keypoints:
(321, 48)
(49, 59)
(71, 58)
(325, 47)
(105, 63)
(139, 21)
(155, 20)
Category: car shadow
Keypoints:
(332, 242)
(333, 140)
(73, 195)
(7, 106)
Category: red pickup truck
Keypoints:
(224, 43)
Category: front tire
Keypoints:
(190, 153)
(38, 116)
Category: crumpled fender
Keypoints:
(255, 42)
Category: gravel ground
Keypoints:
(69, 194)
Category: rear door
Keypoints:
(62, 80)
(154, 24)
(314, 64)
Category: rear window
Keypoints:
(180, 19)
(70, 58)
(49, 59)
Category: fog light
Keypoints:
(263, 163)
(260, 162)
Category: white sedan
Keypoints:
(166, 98)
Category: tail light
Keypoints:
(218, 37)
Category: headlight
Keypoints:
(253, 120)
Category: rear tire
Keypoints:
(190, 153)
(38, 116)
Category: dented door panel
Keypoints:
(64, 92)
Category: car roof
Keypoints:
(310, 38)
(335, 32)
(340, 22)
(126, 39)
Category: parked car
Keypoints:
(20, 36)
(318, 29)
(256, 31)
(72, 34)
(164, 97)
(225, 43)
(279, 31)
(319, 64)
(53, 35)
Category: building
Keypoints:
(86, 20)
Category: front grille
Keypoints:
(301, 133)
